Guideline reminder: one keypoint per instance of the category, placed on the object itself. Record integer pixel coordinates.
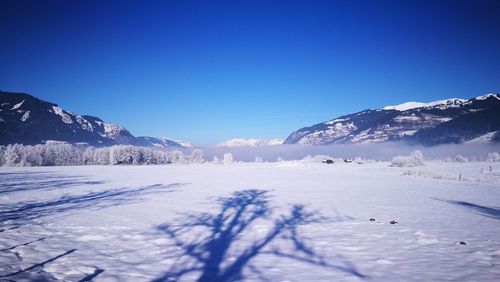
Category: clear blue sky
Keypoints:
(205, 71)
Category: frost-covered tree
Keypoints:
(64, 154)
(2, 151)
(197, 156)
(14, 155)
(414, 159)
(228, 158)
(494, 157)
(33, 155)
(147, 157)
(216, 160)
(177, 156)
(101, 156)
(88, 156)
(57, 154)
(124, 155)
(162, 157)
(46, 155)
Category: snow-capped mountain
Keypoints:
(28, 120)
(183, 143)
(241, 142)
(162, 142)
(445, 121)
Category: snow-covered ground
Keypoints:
(285, 221)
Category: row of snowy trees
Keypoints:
(40, 155)
(66, 154)
(416, 158)
(133, 155)
(62, 154)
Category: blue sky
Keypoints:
(206, 71)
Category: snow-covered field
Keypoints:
(285, 221)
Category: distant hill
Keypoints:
(446, 121)
(25, 119)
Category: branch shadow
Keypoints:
(217, 247)
(92, 276)
(26, 211)
(37, 265)
(25, 244)
(491, 212)
(23, 172)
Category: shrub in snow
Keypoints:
(316, 159)
(258, 159)
(359, 160)
(228, 158)
(415, 159)
(429, 174)
(460, 159)
(493, 157)
(468, 177)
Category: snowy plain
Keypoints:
(281, 221)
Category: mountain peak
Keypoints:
(452, 102)
(487, 96)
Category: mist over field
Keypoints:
(380, 152)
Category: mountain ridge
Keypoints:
(451, 120)
(28, 120)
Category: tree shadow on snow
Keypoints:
(212, 245)
(493, 212)
(33, 181)
(23, 212)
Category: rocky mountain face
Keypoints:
(445, 121)
(27, 120)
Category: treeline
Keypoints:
(66, 155)
(63, 154)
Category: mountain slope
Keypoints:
(161, 142)
(445, 121)
(27, 120)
